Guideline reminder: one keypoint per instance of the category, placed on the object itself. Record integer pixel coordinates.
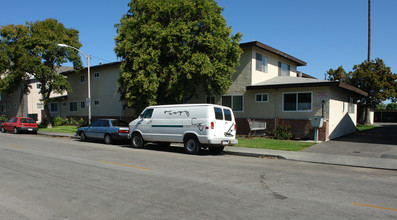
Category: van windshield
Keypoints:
(147, 114)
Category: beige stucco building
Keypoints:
(267, 86)
(21, 104)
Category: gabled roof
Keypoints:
(300, 82)
(274, 51)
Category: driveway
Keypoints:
(378, 143)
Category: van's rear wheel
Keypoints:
(216, 150)
(192, 145)
(137, 140)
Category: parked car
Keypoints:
(109, 130)
(196, 125)
(20, 125)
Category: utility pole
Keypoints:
(369, 30)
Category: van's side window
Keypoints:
(218, 114)
(148, 113)
(228, 114)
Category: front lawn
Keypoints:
(273, 144)
(61, 129)
(366, 127)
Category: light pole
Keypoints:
(88, 101)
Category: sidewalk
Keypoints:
(323, 158)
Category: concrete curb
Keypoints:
(332, 159)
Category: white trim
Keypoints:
(311, 101)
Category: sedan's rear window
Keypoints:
(26, 120)
(118, 123)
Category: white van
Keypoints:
(196, 125)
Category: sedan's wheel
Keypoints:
(82, 136)
(137, 140)
(3, 130)
(108, 139)
(192, 145)
(15, 130)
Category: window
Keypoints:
(73, 106)
(104, 123)
(64, 104)
(38, 85)
(283, 69)
(235, 102)
(82, 104)
(96, 102)
(54, 107)
(297, 101)
(15, 105)
(211, 100)
(82, 78)
(147, 114)
(261, 63)
(351, 105)
(96, 75)
(261, 97)
(228, 114)
(218, 114)
(40, 106)
(96, 123)
(3, 108)
(8, 107)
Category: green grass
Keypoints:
(61, 129)
(273, 144)
(366, 127)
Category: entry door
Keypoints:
(146, 124)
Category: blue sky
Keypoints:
(323, 33)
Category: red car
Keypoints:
(20, 124)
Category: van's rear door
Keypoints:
(219, 125)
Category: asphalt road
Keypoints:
(58, 178)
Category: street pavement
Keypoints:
(375, 148)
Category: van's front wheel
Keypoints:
(137, 140)
(192, 145)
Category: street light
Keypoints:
(88, 101)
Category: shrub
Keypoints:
(58, 121)
(3, 118)
(73, 121)
(282, 130)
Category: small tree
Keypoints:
(338, 74)
(171, 49)
(31, 50)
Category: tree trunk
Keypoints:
(47, 115)
(367, 113)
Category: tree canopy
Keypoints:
(373, 77)
(171, 49)
(31, 50)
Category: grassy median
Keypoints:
(61, 129)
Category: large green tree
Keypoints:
(373, 77)
(31, 50)
(172, 49)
